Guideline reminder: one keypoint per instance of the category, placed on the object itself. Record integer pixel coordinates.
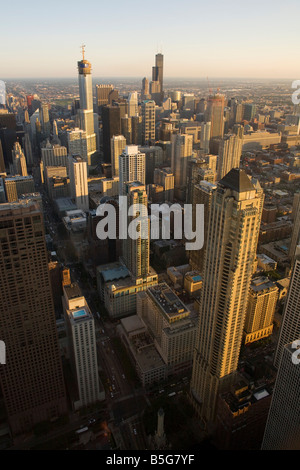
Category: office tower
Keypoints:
(261, 306)
(78, 143)
(136, 130)
(131, 167)
(188, 101)
(28, 149)
(290, 325)
(44, 119)
(126, 128)
(201, 194)
(157, 76)
(148, 122)
(165, 178)
(136, 252)
(86, 110)
(19, 166)
(229, 155)
(182, 151)
(232, 235)
(132, 104)
(102, 95)
(282, 430)
(82, 346)
(145, 89)
(32, 379)
(249, 111)
(55, 154)
(118, 144)
(78, 182)
(295, 238)
(205, 137)
(214, 113)
(111, 125)
(153, 159)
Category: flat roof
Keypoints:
(168, 301)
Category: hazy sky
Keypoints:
(212, 38)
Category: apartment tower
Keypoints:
(232, 235)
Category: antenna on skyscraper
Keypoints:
(82, 50)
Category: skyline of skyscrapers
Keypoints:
(212, 310)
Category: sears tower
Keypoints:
(157, 75)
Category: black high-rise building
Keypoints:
(111, 125)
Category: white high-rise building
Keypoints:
(132, 104)
(82, 345)
(282, 430)
(131, 167)
(290, 325)
(78, 182)
(118, 144)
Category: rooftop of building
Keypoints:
(73, 291)
(261, 283)
(237, 180)
(168, 301)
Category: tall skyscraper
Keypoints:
(32, 379)
(157, 77)
(19, 166)
(214, 113)
(86, 110)
(205, 137)
(148, 122)
(282, 430)
(202, 194)
(145, 89)
(111, 125)
(118, 144)
(136, 251)
(44, 119)
(132, 104)
(82, 345)
(232, 235)
(78, 182)
(230, 151)
(290, 325)
(295, 238)
(182, 151)
(131, 167)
